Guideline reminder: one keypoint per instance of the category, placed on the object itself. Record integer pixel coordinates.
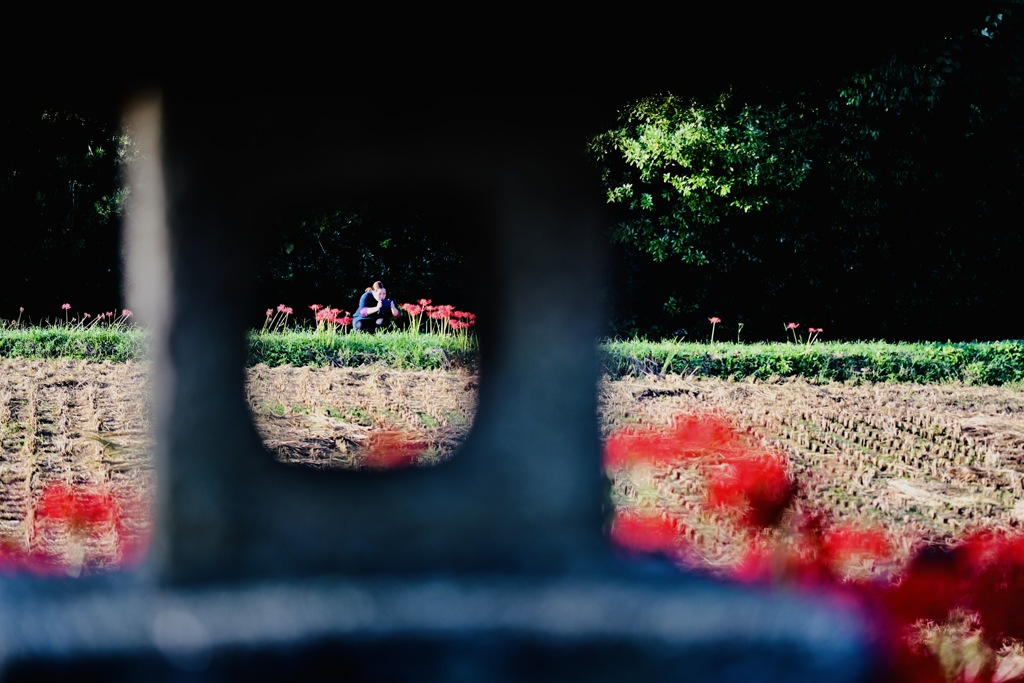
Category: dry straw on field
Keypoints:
(926, 463)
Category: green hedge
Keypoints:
(992, 363)
(402, 350)
(926, 362)
(94, 343)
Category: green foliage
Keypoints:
(397, 349)
(881, 202)
(992, 363)
(342, 251)
(989, 363)
(687, 166)
(62, 186)
(96, 343)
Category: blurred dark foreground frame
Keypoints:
(494, 566)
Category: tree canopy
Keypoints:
(878, 206)
(760, 172)
(62, 195)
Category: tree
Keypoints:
(854, 202)
(62, 195)
(331, 257)
(687, 168)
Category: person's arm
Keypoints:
(395, 312)
(365, 310)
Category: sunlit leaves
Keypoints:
(681, 168)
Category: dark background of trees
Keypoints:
(921, 238)
(939, 259)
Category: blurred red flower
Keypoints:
(758, 487)
(648, 533)
(392, 449)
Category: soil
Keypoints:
(928, 463)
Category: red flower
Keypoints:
(392, 449)
(792, 326)
(15, 560)
(848, 543)
(648, 533)
(715, 320)
(997, 584)
(79, 508)
(758, 487)
(798, 563)
(934, 583)
(315, 307)
(66, 307)
(424, 302)
(688, 436)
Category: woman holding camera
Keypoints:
(375, 310)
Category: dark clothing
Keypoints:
(368, 323)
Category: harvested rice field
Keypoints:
(924, 462)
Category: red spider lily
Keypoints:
(714, 321)
(17, 560)
(798, 562)
(983, 575)
(844, 544)
(934, 583)
(315, 307)
(469, 319)
(334, 316)
(759, 488)
(270, 312)
(996, 564)
(648, 533)
(446, 316)
(87, 511)
(688, 436)
(814, 553)
(79, 508)
(66, 307)
(792, 326)
(392, 449)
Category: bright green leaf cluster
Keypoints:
(681, 168)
